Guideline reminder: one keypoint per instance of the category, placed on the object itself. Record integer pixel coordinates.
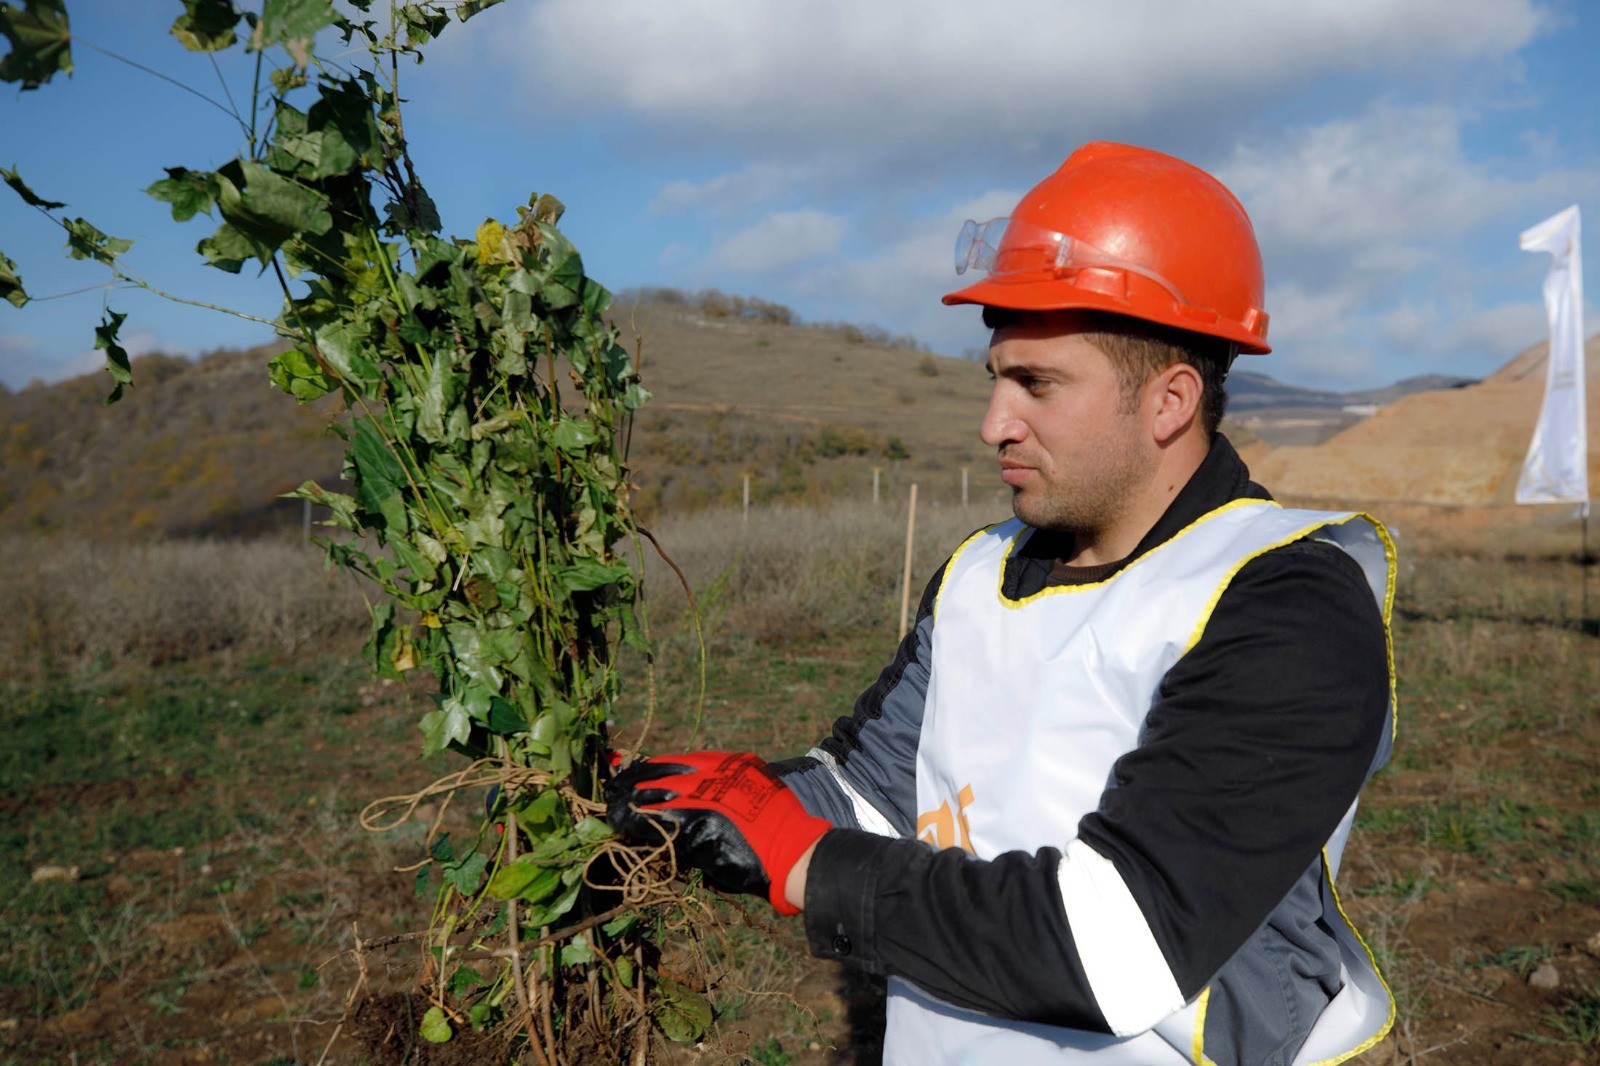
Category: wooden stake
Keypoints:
(747, 499)
(963, 488)
(875, 472)
(905, 580)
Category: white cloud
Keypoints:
(725, 194)
(901, 72)
(782, 239)
(1369, 185)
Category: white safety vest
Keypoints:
(1029, 703)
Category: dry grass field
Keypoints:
(191, 735)
(188, 867)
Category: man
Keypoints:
(1131, 723)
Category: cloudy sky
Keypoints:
(823, 153)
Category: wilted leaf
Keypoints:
(41, 42)
(11, 282)
(467, 8)
(29, 197)
(117, 364)
(85, 241)
(206, 25)
(342, 506)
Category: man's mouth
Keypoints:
(1013, 472)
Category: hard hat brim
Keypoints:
(1052, 296)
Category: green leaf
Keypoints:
(589, 574)
(467, 8)
(624, 971)
(547, 912)
(188, 191)
(573, 437)
(379, 474)
(592, 830)
(618, 926)
(11, 282)
(464, 980)
(286, 79)
(524, 880)
(29, 197)
(467, 874)
(267, 208)
(505, 718)
(422, 25)
(683, 1014)
(344, 346)
(206, 25)
(577, 952)
(41, 42)
(540, 810)
(84, 241)
(434, 1028)
(301, 376)
(117, 364)
(342, 506)
(449, 724)
(227, 249)
(291, 23)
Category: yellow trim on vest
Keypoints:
(1198, 1052)
(1388, 1023)
(944, 578)
(1059, 590)
(1391, 559)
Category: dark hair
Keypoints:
(1140, 348)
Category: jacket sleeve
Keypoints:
(864, 775)
(1258, 742)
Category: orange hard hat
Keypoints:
(1130, 231)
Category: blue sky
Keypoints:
(823, 153)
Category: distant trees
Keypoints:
(714, 303)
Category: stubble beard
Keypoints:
(1087, 499)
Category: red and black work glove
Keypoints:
(727, 814)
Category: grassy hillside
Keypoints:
(205, 447)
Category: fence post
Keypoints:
(875, 472)
(747, 499)
(905, 580)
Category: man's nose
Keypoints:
(1000, 426)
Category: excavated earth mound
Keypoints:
(1461, 447)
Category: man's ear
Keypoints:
(1173, 396)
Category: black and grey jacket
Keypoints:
(1259, 739)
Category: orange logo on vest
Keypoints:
(938, 828)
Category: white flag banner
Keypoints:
(1557, 467)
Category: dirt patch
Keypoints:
(387, 1028)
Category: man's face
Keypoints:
(1073, 446)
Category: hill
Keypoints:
(205, 447)
(1461, 446)
(808, 412)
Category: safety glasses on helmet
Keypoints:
(1007, 249)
